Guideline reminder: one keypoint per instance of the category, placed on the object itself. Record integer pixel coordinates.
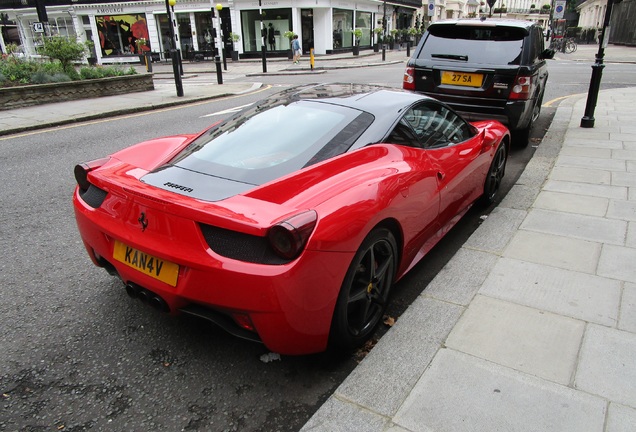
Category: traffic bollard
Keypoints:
(219, 73)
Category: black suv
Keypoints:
(484, 69)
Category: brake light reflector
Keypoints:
(289, 237)
(243, 321)
(408, 82)
(522, 88)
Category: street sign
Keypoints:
(38, 27)
(559, 9)
(431, 8)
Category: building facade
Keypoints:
(591, 13)
(121, 31)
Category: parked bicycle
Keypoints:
(566, 45)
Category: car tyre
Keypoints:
(521, 137)
(365, 291)
(495, 175)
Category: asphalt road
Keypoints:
(78, 354)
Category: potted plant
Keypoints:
(289, 35)
(393, 34)
(234, 37)
(140, 43)
(412, 33)
(357, 34)
(378, 38)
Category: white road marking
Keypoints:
(228, 111)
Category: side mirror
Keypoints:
(547, 54)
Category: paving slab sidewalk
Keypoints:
(532, 325)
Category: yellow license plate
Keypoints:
(462, 79)
(162, 270)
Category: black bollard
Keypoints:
(408, 49)
(263, 58)
(219, 73)
(175, 71)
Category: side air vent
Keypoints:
(240, 246)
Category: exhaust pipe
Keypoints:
(144, 296)
(147, 297)
(132, 290)
(159, 304)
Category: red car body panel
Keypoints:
(420, 192)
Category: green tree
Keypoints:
(64, 50)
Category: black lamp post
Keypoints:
(263, 56)
(218, 42)
(384, 32)
(587, 121)
(173, 44)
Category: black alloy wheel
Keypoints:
(365, 290)
(495, 175)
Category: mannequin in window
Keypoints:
(270, 37)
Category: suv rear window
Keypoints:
(474, 44)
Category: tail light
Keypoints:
(408, 82)
(522, 88)
(81, 172)
(289, 237)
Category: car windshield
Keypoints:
(268, 141)
(478, 44)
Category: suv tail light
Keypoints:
(522, 88)
(408, 82)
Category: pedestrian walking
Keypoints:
(296, 49)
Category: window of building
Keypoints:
(204, 31)
(118, 34)
(342, 28)
(363, 22)
(280, 20)
(62, 26)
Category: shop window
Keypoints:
(342, 28)
(185, 33)
(118, 34)
(204, 28)
(363, 22)
(280, 20)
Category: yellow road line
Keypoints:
(549, 103)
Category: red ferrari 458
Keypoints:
(289, 222)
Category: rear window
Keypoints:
(478, 44)
(263, 144)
